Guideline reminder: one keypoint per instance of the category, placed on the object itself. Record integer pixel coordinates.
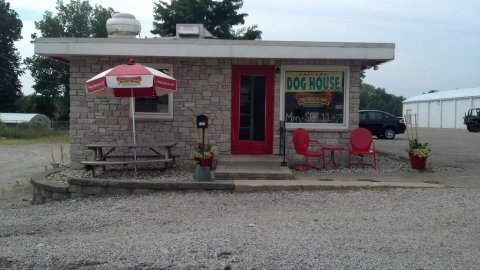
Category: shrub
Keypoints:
(2, 126)
(24, 131)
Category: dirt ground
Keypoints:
(19, 162)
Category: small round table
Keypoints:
(332, 153)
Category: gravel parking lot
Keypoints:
(386, 229)
(19, 162)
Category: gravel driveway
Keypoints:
(386, 229)
(450, 147)
(19, 162)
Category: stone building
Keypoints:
(245, 87)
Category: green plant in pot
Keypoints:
(417, 151)
(204, 154)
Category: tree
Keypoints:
(218, 17)
(372, 98)
(27, 104)
(10, 31)
(51, 83)
(76, 19)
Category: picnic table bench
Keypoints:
(103, 154)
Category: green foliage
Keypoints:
(76, 19)
(372, 98)
(419, 149)
(27, 104)
(218, 17)
(2, 126)
(203, 151)
(52, 86)
(415, 147)
(10, 70)
(25, 131)
(30, 133)
(98, 21)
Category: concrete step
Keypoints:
(255, 160)
(252, 168)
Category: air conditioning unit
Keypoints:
(192, 31)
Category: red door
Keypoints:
(252, 110)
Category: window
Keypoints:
(363, 116)
(375, 116)
(156, 107)
(315, 96)
(252, 107)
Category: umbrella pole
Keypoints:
(132, 105)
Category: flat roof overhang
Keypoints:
(64, 48)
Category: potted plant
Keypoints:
(204, 154)
(418, 153)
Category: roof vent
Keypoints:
(192, 31)
(123, 25)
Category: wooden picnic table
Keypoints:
(104, 154)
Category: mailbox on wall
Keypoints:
(202, 121)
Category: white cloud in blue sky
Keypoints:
(437, 42)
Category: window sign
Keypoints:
(314, 96)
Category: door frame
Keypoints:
(265, 147)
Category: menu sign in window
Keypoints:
(314, 96)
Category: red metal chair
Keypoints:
(304, 147)
(361, 144)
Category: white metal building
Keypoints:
(444, 109)
(30, 118)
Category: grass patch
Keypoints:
(55, 138)
(25, 134)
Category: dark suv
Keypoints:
(381, 124)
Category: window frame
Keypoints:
(316, 126)
(157, 115)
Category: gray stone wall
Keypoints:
(204, 87)
(45, 191)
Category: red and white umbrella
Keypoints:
(131, 80)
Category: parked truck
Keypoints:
(472, 120)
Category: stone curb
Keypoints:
(109, 183)
(46, 191)
(40, 180)
(312, 185)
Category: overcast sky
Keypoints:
(437, 41)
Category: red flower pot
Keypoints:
(205, 162)
(418, 162)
